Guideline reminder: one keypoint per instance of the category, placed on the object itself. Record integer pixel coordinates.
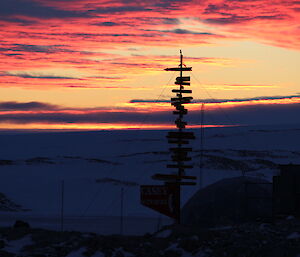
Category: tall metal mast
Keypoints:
(181, 137)
(166, 198)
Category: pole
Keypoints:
(121, 211)
(180, 170)
(62, 205)
(158, 223)
(201, 147)
(180, 138)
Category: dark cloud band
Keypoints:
(254, 114)
(15, 106)
(219, 100)
(35, 9)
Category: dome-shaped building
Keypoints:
(229, 201)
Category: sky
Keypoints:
(87, 64)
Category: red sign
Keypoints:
(164, 199)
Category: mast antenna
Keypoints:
(166, 198)
(180, 138)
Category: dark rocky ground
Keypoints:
(255, 239)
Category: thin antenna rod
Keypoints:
(180, 139)
(122, 211)
(62, 205)
(201, 146)
(180, 163)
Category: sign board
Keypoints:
(159, 176)
(162, 198)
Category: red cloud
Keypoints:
(78, 34)
(92, 21)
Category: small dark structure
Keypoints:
(286, 191)
(229, 201)
(21, 224)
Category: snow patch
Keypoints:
(164, 233)
(16, 246)
(78, 253)
(294, 235)
(121, 252)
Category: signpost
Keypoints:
(166, 198)
(161, 198)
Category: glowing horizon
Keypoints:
(93, 127)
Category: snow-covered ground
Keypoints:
(95, 166)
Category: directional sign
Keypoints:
(178, 166)
(159, 176)
(163, 199)
(182, 83)
(179, 69)
(181, 134)
(181, 149)
(182, 112)
(181, 91)
(183, 78)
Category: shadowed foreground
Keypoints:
(278, 239)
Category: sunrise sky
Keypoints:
(94, 64)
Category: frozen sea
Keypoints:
(96, 166)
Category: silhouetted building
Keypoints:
(229, 201)
(286, 191)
